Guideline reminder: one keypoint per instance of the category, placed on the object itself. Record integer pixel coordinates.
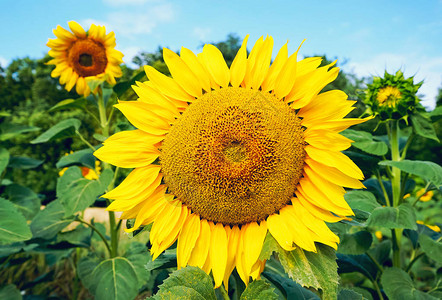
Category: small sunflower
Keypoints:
(223, 156)
(388, 96)
(82, 55)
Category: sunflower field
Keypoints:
(240, 172)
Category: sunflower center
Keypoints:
(235, 156)
(87, 57)
(388, 96)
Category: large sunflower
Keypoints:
(223, 156)
(80, 55)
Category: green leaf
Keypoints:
(24, 199)
(24, 163)
(309, 269)
(82, 157)
(10, 292)
(13, 226)
(85, 268)
(187, 283)
(365, 142)
(4, 159)
(63, 129)
(426, 169)
(289, 288)
(69, 103)
(398, 285)
(423, 127)
(80, 236)
(431, 248)
(402, 216)
(357, 243)
(99, 137)
(258, 289)
(436, 114)
(138, 255)
(121, 87)
(49, 221)
(349, 295)
(361, 200)
(9, 130)
(114, 278)
(76, 192)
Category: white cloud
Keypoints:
(201, 33)
(424, 68)
(143, 21)
(3, 62)
(129, 54)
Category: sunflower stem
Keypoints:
(105, 124)
(396, 188)
(98, 232)
(224, 292)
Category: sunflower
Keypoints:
(388, 96)
(82, 55)
(223, 156)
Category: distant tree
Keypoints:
(439, 97)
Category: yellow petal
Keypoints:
(279, 230)
(135, 182)
(71, 82)
(201, 250)
(182, 74)
(127, 156)
(63, 34)
(77, 29)
(334, 175)
(319, 213)
(216, 65)
(253, 240)
(149, 95)
(300, 233)
(286, 77)
(262, 63)
(187, 239)
(233, 238)
(167, 85)
(218, 252)
(335, 159)
(275, 69)
(239, 65)
(141, 116)
(240, 258)
(326, 139)
(338, 125)
(192, 62)
(251, 62)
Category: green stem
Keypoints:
(413, 261)
(84, 140)
(395, 156)
(384, 191)
(378, 290)
(224, 292)
(98, 232)
(396, 248)
(404, 151)
(375, 262)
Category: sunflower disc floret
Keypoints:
(224, 156)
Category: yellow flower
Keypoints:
(87, 173)
(432, 227)
(224, 156)
(424, 197)
(388, 96)
(379, 235)
(82, 55)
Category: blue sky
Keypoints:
(370, 35)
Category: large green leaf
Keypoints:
(289, 288)
(10, 292)
(357, 243)
(138, 255)
(4, 159)
(436, 114)
(69, 103)
(188, 283)
(114, 279)
(365, 142)
(85, 268)
(431, 248)
(423, 127)
(9, 130)
(24, 199)
(49, 221)
(402, 216)
(82, 157)
(22, 162)
(63, 129)
(398, 285)
(425, 169)
(76, 192)
(309, 269)
(78, 237)
(258, 290)
(361, 200)
(349, 295)
(13, 226)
